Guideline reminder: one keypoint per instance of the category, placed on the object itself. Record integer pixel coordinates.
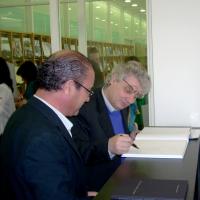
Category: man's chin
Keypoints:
(123, 106)
(120, 107)
(76, 113)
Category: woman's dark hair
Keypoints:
(5, 74)
(131, 58)
(28, 71)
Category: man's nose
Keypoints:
(131, 99)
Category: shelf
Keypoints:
(112, 54)
(17, 47)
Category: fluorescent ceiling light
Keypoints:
(11, 19)
(127, 1)
(142, 10)
(134, 5)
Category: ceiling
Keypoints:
(120, 3)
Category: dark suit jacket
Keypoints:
(93, 118)
(38, 158)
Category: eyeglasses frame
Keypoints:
(134, 91)
(91, 92)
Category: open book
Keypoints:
(160, 142)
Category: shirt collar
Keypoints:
(108, 104)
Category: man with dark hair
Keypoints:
(94, 57)
(38, 158)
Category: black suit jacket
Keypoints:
(38, 158)
(92, 143)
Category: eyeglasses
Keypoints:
(89, 91)
(131, 90)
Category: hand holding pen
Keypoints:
(133, 135)
(133, 144)
(119, 144)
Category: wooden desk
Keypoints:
(180, 169)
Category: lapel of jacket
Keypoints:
(124, 114)
(54, 119)
(104, 119)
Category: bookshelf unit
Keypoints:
(27, 46)
(5, 45)
(45, 46)
(17, 47)
(112, 54)
(37, 48)
(70, 43)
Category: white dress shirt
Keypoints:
(111, 109)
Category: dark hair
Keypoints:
(131, 58)
(28, 71)
(5, 74)
(60, 67)
(91, 50)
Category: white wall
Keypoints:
(174, 62)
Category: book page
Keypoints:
(195, 133)
(158, 149)
(164, 133)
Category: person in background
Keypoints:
(13, 77)
(135, 109)
(7, 106)
(93, 55)
(103, 122)
(28, 73)
(39, 159)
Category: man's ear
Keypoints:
(113, 79)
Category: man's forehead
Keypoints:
(133, 81)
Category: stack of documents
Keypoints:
(160, 142)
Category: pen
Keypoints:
(134, 145)
(135, 132)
